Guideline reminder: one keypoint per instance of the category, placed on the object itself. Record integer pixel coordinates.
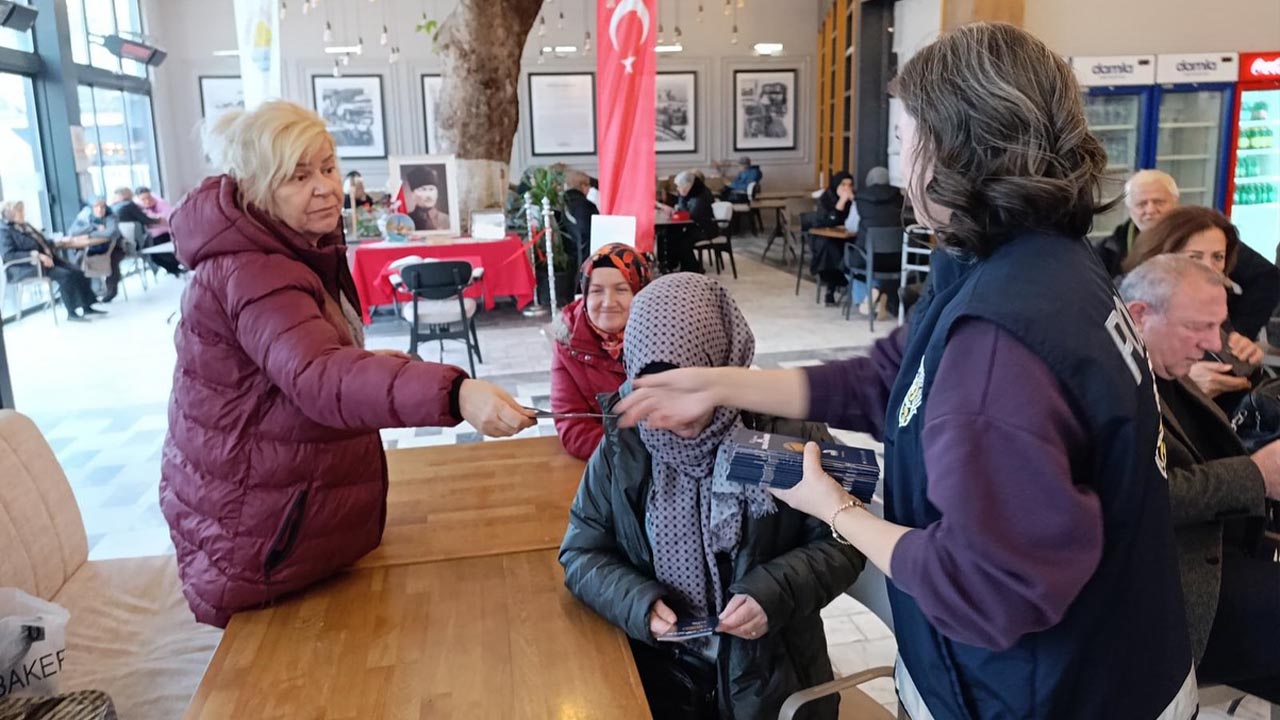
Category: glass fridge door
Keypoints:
(1187, 144)
(1255, 207)
(1115, 120)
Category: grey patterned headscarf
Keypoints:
(692, 511)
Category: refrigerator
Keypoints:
(1192, 124)
(1119, 97)
(1253, 200)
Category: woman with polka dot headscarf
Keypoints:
(656, 536)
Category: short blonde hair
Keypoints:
(261, 148)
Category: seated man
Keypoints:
(1216, 490)
(103, 228)
(1148, 195)
(656, 536)
(736, 190)
(578, 211)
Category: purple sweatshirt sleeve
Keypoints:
(1017, 539)
(853, 394)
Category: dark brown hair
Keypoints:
(1000, 122)
(1175, 229)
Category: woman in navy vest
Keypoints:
(1027, 533)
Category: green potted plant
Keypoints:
(544, 182)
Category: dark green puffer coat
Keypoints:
(788, 562)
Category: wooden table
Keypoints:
(478, 499)
(785, 195)
(836, 233)
(495, 637)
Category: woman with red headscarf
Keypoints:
(587, 356)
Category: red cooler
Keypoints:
(1253, 199)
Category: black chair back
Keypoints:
(882, 240)
(808, 220)
(436, 280)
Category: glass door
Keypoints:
(1188, 142)
(1255, 206)
(1116, 120)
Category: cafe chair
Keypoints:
(876, 240)
(917, 246)
(438, 306)
(746, 209)
(130, 632)
(807, 220)
(718, 246)
(854, 704)
(98, 266)
(39, 280)
(396, 282)
(789, 242)
(134, 240)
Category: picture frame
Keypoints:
(352, 108)
(440, 172)
(764, 110)
(676, 112)
(431, 85)
(219, 95)
(562, 113)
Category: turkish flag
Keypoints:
(626, 61)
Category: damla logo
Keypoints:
(1265, 67)
(1120, 68)
(1201, 66)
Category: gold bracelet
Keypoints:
(854, 503)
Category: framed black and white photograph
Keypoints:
(764, 110)
(219, 95)
(677, 112)
(431, 108)
(351, 106)
(562, 113)
(430, 187)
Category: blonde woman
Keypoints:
(20, 241)
(273, 475)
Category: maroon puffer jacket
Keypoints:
(273, 474)
(581, 369)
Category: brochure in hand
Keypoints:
(777, 461)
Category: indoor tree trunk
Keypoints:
(481, 44)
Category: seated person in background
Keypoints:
(1148, 196)
(152, 213)
(1207, 237)
(1232, 595)
(103, 228)
(578, 212)
(695, 199)
(834, 206)
(736, 190)
(655, 536)
(18, 241)
(586, 359)
(353, 192)
(878, 204)
(423, 196)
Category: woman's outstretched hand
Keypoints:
(817, 494)
(491, 410)
(680, 400)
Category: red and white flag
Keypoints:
(626, 61)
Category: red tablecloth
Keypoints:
(507, 272)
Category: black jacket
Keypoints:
(878, 206)
(829, 212)
(17, 243)
(578, 211)
(698, 204)
(1114, 248)
(1211, 478)
(787, 562)
(128, 211)
(1259, 282)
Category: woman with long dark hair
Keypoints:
(1027, 531)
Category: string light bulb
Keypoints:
(742, 3)
(306, 8)
(728, 7)
(661, 35)
(542, 26)
(560, 21)
(328, 32)
(337, 69)
(359, 45)
(733, 39)
(699, 13)
(586, 42)
(385, 37)
(395, 55)
(678, 34)
(542, 56)
(284, 10)
(346, 59)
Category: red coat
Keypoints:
(580, 370)
(273, 475)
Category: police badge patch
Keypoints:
(911, 402)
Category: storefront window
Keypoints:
(22, 172)
(119, 139)
(92, 20)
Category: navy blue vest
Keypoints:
(1121, 650)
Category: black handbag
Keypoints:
(679, 684)
(1257, 417)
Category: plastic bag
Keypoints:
(33, 644)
